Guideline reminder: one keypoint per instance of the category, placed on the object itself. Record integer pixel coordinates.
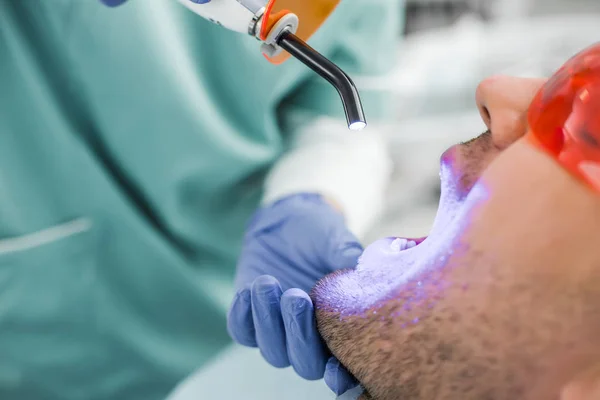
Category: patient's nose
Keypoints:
(503, 102)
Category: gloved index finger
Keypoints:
(240, 323)
(345, 255)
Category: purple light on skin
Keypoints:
(383, 270)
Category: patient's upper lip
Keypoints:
(449, 156)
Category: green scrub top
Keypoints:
(133, 146)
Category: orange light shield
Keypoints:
(311, 13)
(564, 117)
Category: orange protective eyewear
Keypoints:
(564, 117)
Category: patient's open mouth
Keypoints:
(449, 206)
(391, 262)
(409, 255)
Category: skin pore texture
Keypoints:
(502, 300)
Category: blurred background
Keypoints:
(447, 48)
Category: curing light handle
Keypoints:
(355, 115)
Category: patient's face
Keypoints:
(502, 300)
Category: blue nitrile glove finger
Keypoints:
(112, 3)
(338, 378)
(295, 242)
(268, 323)
(239, 321)
(115, 3)
(306, 352)
(352, 394)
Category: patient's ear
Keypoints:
(585, 386)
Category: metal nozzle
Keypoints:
(331, 72)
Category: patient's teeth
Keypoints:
(399, 245)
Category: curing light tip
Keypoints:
(353, 109)
(358, 126)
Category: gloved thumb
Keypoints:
(112, 3)
(586, 386)
(345, 255)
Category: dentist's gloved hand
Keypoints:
(288, 247)
(112, 3)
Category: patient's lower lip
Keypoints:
(381, 251)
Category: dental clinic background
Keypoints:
(446, 48)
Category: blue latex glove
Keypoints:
(287, 248)
(114, 3)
